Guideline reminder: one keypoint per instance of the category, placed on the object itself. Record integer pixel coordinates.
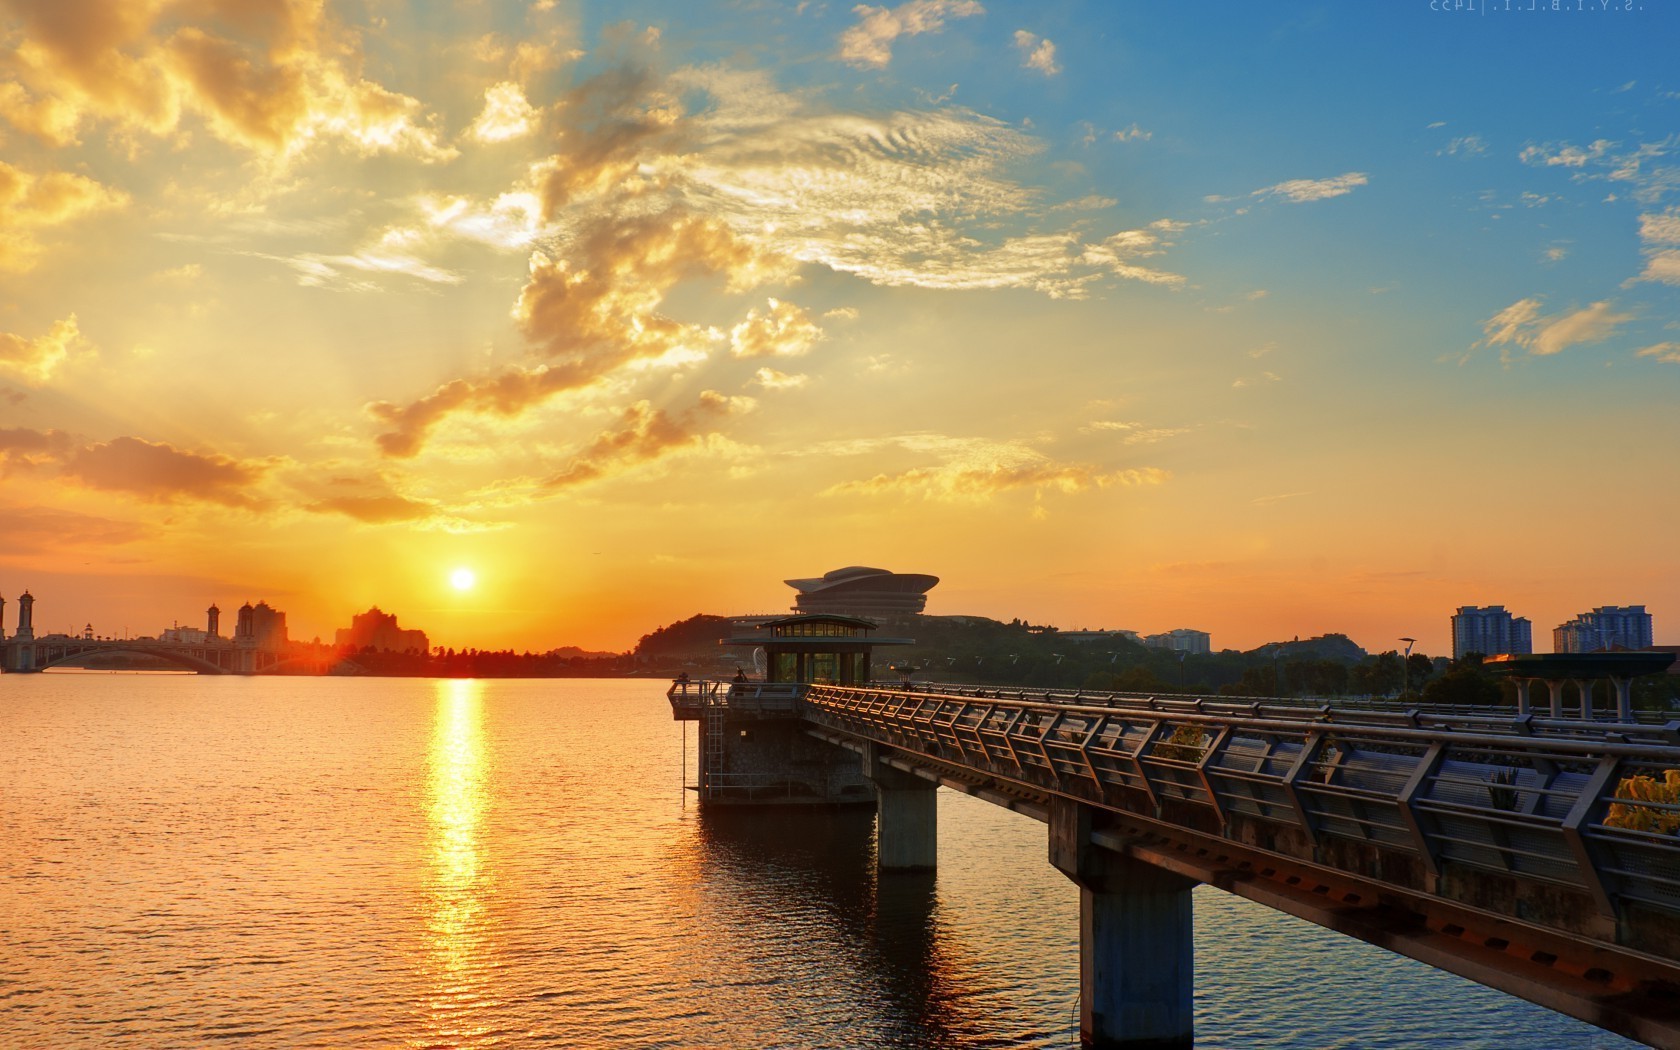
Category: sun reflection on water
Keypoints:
(458, 884)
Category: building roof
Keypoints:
(864, 578)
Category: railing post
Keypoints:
(1136, 942)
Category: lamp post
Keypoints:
(1405, 669)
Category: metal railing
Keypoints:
(1591, 807)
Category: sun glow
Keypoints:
(463, 579)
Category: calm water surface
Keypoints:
(187, 862)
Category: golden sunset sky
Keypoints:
(1263, 319)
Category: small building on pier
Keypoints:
(753, 748)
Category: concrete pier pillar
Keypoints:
(1624, 699)
(907, 817)
(1136, 943)
(1584, 690)
(1522, 696)
(1555, 685)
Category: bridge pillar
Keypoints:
(1136, 958)
(1555, 685)
(907, 820)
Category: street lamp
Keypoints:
(1405, 668)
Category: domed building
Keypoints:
(858, 590)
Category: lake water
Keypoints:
(275, 862)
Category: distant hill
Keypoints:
(1337, 647)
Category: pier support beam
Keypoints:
(907, 821)
(1136, 970)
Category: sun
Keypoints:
(462, 579)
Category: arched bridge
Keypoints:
(1537, 855)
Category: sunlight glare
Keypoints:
(463, 579)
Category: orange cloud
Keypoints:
(646, 433)
(272, 76)
(594, 311)
(31, 203)
(33, 530)
(162, 473)
(35, 360)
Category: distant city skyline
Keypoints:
(557, 320)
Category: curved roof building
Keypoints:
(859, 590)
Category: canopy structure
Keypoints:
(1558, 670)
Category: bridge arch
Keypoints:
(180, 659)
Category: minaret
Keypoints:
(2, 619)
(26, 618)
(215, 615)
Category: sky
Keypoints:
(1268, 320)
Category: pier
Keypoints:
(1535, 854)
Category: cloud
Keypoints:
(645, 433)
(770, 379)
(36, 360)
(1037, 53)
(1464, 145)
(1641, 167)
(375, 510)
(1263, 377)
(868, 45)
(1661, 233)
(972, 470)
(27, 448)
(1668, 353)
(711, 174)
(36, 530)
(162, 473)
(270, 76)
(1299, 191)
(31, 203)
(1135, 433)
(1133, 133)
(1521, 324)
(1566, 155)
(506, 116)
(784, 330)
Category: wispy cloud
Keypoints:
(972, 470)
(1522, 325)
(1463, 146)
(1300, 191)
(1668, 353)
(869, 43)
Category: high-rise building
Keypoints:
(1490, 630)
(261, 627)
(1181, 640)
(1606, 627)
(378, 630)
